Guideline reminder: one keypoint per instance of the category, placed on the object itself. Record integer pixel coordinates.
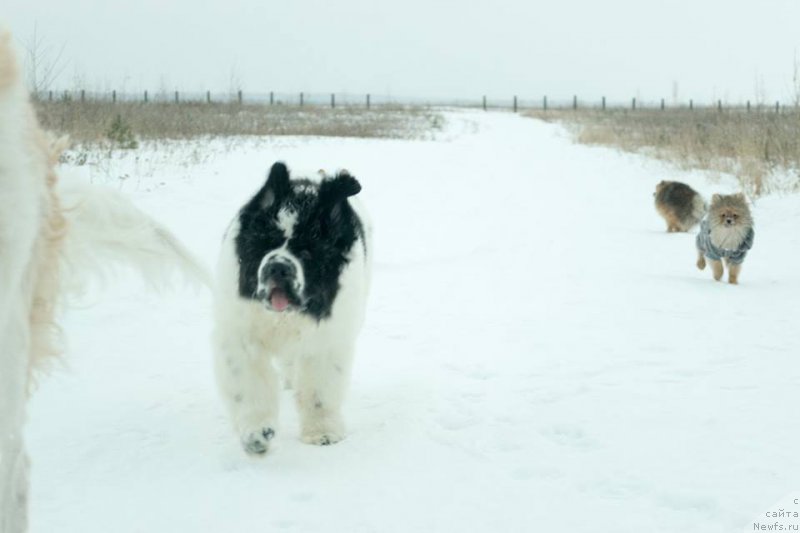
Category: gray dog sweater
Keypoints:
(714, 253)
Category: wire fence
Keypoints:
(333, 100)
(344, 99)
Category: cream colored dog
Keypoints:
(51, 237)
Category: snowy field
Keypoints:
(539, 355)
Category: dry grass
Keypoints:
(89, 123)
(761, 148)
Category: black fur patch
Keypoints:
(324, 234)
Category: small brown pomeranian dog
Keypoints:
(680, 205)
(726, 233)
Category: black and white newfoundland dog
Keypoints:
(292, 285)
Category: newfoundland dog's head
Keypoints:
(295, 238)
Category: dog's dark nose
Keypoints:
(279, 271)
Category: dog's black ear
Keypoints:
(333, 190)
(277, 185)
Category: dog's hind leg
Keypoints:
(14, 489)
(250, 389)
(15, 343)
(14, 508)
(287, 366)
(13, 395)
(673, 224)
(322, 381)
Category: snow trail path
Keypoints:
(539, 355)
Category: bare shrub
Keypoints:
(44, 63)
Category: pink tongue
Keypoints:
(278, 300)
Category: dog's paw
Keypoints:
(325, 438)
(701, 263)
(257, 442)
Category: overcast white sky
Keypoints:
(618, 48)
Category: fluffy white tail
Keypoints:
(107, 232)
(699, 208)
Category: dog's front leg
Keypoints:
(322, 381)
(250, 389)
(717, 269)
(701, 260)
(733, 272)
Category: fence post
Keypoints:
(367, 100)
(633, 104)
(301, 99)
(515, 103)
(719, 106)
(83, 95)
(748, 106)
(114, 97)
(544, 103)
(145, 97)
(208, 97)
(484, 102)
(239, 96)
(575, 102)
(691, 104)
(177, 97)
(66, 96)
(603, 103)
(777, 107)
(333, 101)
(50, 96)
(662, 104)
(271, 98)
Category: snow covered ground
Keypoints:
(539, 355)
